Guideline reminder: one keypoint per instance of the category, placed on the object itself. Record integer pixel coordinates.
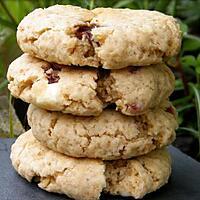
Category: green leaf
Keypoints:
(146, 4)
(123, 3)
(193, 132)
(22, 9)
(161, 5)
(2, 71)
(183, 100)
(184, 107)
(191, 43)
(188, 61)
(7, 23)
(7, 11)
(171, 8)
(198, 59)
(91, 5)
(178, 83)
(197, 68)
(180, 119)
(189, 10)
(3, 85)
(197, 103)
(183, 27)
(46, 3)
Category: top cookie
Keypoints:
(111, 38)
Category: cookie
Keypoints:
(85, 179)
(109, 136)
(86, 92)
(107, 37)
(139, 176)
(47, 86)
(136, 90)
(81, 179)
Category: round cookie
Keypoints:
(55, 172)
(109, 136)
(87, 91)
(107, 37)
(81, 179)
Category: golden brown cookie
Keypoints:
(85, 179)
(107, 37)
(81, 179)
(109, 136)
(87, 91)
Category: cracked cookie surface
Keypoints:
(138, 176)
(81, 179)
(109, 136)
(50, 87)
(111, 38)
(85, 179)
(86, 92)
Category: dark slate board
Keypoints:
(184, 183)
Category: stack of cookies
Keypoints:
(98, 87)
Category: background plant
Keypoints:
(186, 97)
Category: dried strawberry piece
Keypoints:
(134, 107)
(85, 31)
(52, 76)
(170, 110)
(51, 72)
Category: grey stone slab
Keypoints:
(184, 183)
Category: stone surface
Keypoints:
(183, 184)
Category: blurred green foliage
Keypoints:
(186, 97)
